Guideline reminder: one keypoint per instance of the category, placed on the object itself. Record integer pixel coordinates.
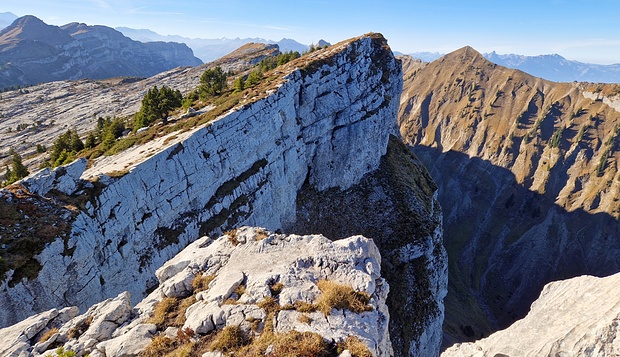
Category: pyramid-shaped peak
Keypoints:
(30, 27)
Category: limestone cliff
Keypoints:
(528, 179)
(575, 317)
(323, 123)
(268, 285)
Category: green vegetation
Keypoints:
(61, 352)
(554, 142)
(212, 82)
(65, 148)
(17, 171)
(157, 103)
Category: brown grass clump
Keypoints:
(159, 346)
(201, 282)
(269, 304)
(171, 312)
(118, 173)
(162, 311)
(337, 296)
(304, 319)
(261, 234)
(355, 346)
(48, 334)
(305, 307)
(232, 237)
(300, 344)
(229, 339)
(79, 329)
(276, 288)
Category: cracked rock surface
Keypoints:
(258, 261)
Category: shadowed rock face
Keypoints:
(397, 206)
(528, 181)
(33, 52)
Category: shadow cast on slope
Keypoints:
(505, 243)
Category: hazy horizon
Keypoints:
(575, 29)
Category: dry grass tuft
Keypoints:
(79, 329)
(276, 288)
(229, 339)
(232, 237)
(305, 307)
(301, 344)
(355, 346)
(171, 312)
(261, 234)
(162, 311)
(304, 319)
(159, 346)
(201, 282)
(117, 173)
(254, 323)
(269, 304)
(48, 334)
(337, 296)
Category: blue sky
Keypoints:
(584, 30)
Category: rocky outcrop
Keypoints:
(34, 52)
(323, 125)
(528, 179)
(41, 113)
(575, 317)
(255, 280)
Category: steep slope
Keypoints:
(250, 278)
(319, 123)
(576, 317)
(528, 180)
(33, 52)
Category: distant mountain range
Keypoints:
(33, 52)
(6, 18)
(550, 67)
(211, 49)
(557, 68)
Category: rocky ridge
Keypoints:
(33, 52)
(528, 178)
(250, 278)
(48, 110)
(575, 317)
(323, 124)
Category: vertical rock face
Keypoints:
(397, 206)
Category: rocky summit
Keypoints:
(320, 130)
(528, 180)
(32, 52)
(272, 287)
